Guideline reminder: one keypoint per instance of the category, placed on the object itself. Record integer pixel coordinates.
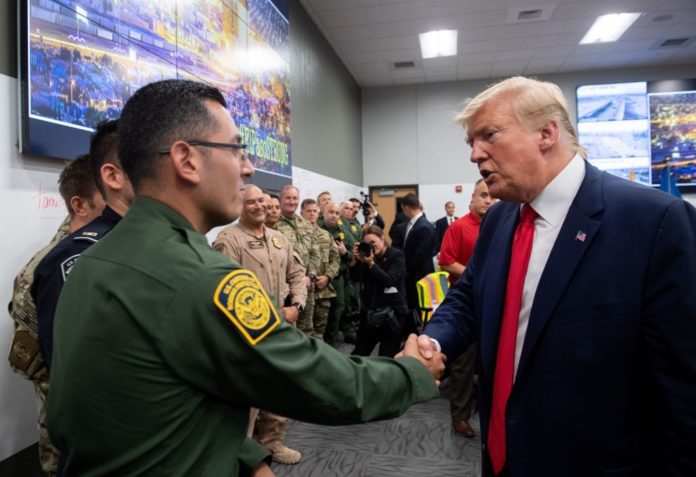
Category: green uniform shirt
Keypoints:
(156, 367)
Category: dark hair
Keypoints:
(76, 180)
(411, 201)
(159, 114)
(307, 202)
(374, 230)
(275, 196)
(103, 148)
(326, 192)
(353, 199)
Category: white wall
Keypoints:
(409, 136)
(31, 211)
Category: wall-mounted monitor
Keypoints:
(80, 60)
(639, 130)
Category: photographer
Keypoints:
(381, 269)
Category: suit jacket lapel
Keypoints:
(576, 235)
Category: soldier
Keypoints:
(156, 368)
(344, 243)
(322, 199)
(84, 202)
(355, 225)
(269, 255)
(351, 314)
(272, 210)
(326, 268)
(52, 272)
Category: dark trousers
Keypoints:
(389, 340)
(461, 385)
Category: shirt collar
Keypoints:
(554, 201)
(415, 219)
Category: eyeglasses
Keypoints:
(226, 145)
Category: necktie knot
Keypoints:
(529, 215)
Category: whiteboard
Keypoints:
(31, 211)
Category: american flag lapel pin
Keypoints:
(580, 236)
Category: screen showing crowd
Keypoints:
(86, 57)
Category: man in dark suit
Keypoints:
(443, 223)
(419, 246)
(586, 320)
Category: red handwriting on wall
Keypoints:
(49, 204)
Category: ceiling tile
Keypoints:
(568, 26)
(441, 62)
(483, 19)
(323, 5)
(380, 67)
(522, 30)
(397, 42)
(550, 51)
(401, 81)
(407, 27)
(407, 54)
(396, 12)
(476, 57)
(338, 18)
(481, 70)
(407, 73)
(555, 61)
(480, 34)
(440, 78)
(510, 55)
(355, 46)
(354, 32)
(478, 46)
(364, 57)
(441, 71)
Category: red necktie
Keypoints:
(505, 359)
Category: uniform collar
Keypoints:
(151, 209)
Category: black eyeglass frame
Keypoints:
(196, 142)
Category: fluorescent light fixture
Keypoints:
(609, 27)
(438, 43)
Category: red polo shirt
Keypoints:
(458, 242)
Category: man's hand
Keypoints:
(322, 281)
(262, 470)
(308, 282)
(416, 348)
(290, 314)
(341, 248)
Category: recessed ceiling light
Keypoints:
(609, 27)
(438, 43)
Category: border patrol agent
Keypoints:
(155, 370)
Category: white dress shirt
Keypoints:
(552, 205)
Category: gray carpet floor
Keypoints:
(419, 443)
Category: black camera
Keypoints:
(365, 249)
(365, 205)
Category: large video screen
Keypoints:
(82, 59)
(640, 130)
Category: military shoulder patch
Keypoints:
(243, 300)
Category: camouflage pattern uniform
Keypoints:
(352, 312)
(326, 262)
(25, 355)
(337, 312)
(300, 233)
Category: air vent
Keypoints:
(526, 15)
(530, 14)
(404, 64)
(672, 42)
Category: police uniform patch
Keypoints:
(67, 265)
(243, 300)
(277, 243)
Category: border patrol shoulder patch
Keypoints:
(240, 296)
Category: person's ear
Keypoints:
(112, 176)
(186, 161)
(549, 135)
(79, 206)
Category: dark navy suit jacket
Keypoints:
(606, 384)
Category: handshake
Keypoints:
(423, 349)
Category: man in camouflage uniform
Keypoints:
(323, 199)
(351, 317)
(84, 203)
(300, 234)
(326, 268)
(344, 243)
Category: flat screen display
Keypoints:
(639, 130)
(82, 59)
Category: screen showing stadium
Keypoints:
(82, 59)
(640, 130)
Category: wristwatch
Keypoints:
(299, 307)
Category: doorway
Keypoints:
(387, 200)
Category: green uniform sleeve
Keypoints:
(251, 454)
(285, 372)
(334, 262)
